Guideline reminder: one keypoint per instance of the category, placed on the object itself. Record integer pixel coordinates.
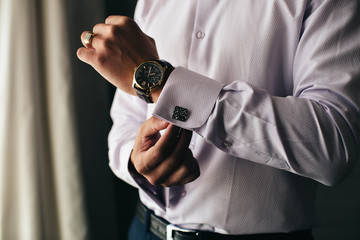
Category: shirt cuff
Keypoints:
(187, 99)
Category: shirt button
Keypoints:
(192, 145)
(200, 34)
(183, 193)
(226, 144)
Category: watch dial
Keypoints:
(148, 75)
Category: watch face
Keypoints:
(149, 75)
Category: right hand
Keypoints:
(117, 48)
(164, 159)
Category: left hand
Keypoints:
(164, 159)
(117, 48)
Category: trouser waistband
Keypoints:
(166, 231)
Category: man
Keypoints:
(256, 103)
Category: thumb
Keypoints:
(153, 126)
(158, 124)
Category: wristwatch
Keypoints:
(149, 76)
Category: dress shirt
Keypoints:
(272, 93)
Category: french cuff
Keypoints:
(187, 99)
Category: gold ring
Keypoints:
(88, 38)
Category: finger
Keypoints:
(169, 136)
(177, 149)
(168, 152)
(160, 174)
(173, 154)
(182, 138)
(154, 125)
(187, 172)
(194, 173)
(147, 137)
(95, 39)
(164, 147)
(173, 136)
(85, 54)
(97, 42)
(156, 153)
(117, 20)
(159, 124)
(102, 28)
(188, 169)
(178, 177)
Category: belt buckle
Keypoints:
(170, 228)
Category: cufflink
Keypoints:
(180, 114)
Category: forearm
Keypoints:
(297, 134)
(127, 112)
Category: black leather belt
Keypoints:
(166, 231)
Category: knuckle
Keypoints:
(113, 30)
(145, 168)
(95, 27)
(142, 128)
(141, 169)
(167, 184)
(158, 154)
(109, 18)
(152, 40)
(106, 43)
(101, 60)
(154, 180)
(119, 20)
(186, 171)
(124, 20)
(136, 165)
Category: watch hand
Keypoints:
(149, 72)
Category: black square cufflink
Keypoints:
(180, 114)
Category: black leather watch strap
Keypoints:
(143, 95)
(169, 69)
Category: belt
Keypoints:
(166, 231)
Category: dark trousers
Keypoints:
(138, 231)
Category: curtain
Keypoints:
(41, 193)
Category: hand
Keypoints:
(164, 160)
(117, 48)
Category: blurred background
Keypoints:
(55, 182)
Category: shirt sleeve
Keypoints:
(127, 113)
(314, 132)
